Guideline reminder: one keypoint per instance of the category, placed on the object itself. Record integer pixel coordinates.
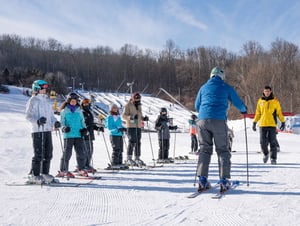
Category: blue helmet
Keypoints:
(216, 71)
(39, 84)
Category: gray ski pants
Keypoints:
(213, 131)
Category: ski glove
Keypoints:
(83, 132)
(41, 121)
(173, 127)
(146, 118)
(101, 128)
(57, 125)
(282, 127)
(122, 130)
(66, 129)
(254, 126)
(136, 117)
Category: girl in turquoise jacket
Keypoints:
(73, 128)
(113, 123)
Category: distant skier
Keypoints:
(212, 104)
(74, 129)
(267, 110)
(113, 123)
(132, 114)
(162, 126)
(40, 113)
(193, 133)
(230, 138)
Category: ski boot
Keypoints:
(130, 162)
(224, 185)
(65, 174)
(35, 180)
(83, 173)
(273, 162)
(203, 184)
(139, 162)
(265, 158)
(49, 178)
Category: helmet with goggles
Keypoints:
(38, 85)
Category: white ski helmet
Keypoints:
(216, 71)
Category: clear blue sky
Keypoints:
(150, 23)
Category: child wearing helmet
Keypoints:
(74, 129)
(163, 131)
(114, 124)
(40, 114)
(90, 137)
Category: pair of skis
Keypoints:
(55, 184)
(219, 194)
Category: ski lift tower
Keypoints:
(130, 84)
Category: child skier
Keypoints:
(90, 137)
(193, 133)
(114, 124)
(40, 113)
(163, 130)
(74, 130)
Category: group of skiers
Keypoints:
(208, 128)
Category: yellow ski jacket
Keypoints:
(267, 112)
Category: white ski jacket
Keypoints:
(39, 106)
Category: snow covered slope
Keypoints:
(147, 197)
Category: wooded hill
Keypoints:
(180, 72)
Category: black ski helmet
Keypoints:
(163, 110)
(72, 96)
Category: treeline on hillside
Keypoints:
(181, 73)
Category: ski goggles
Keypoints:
(44, 86)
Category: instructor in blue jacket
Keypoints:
(212, 104)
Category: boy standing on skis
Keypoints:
(113, 123)
(40, 113)
(163, 131)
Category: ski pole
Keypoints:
(91, 160)
(150, 143)
(106, 148)
(174, 145)
(246, 140)
(63, 150)
(43, 150)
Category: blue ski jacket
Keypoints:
(113, 123)
(212, 99)
(74, 120)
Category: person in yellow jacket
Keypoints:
(268, 109)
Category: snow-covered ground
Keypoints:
(147, 197)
